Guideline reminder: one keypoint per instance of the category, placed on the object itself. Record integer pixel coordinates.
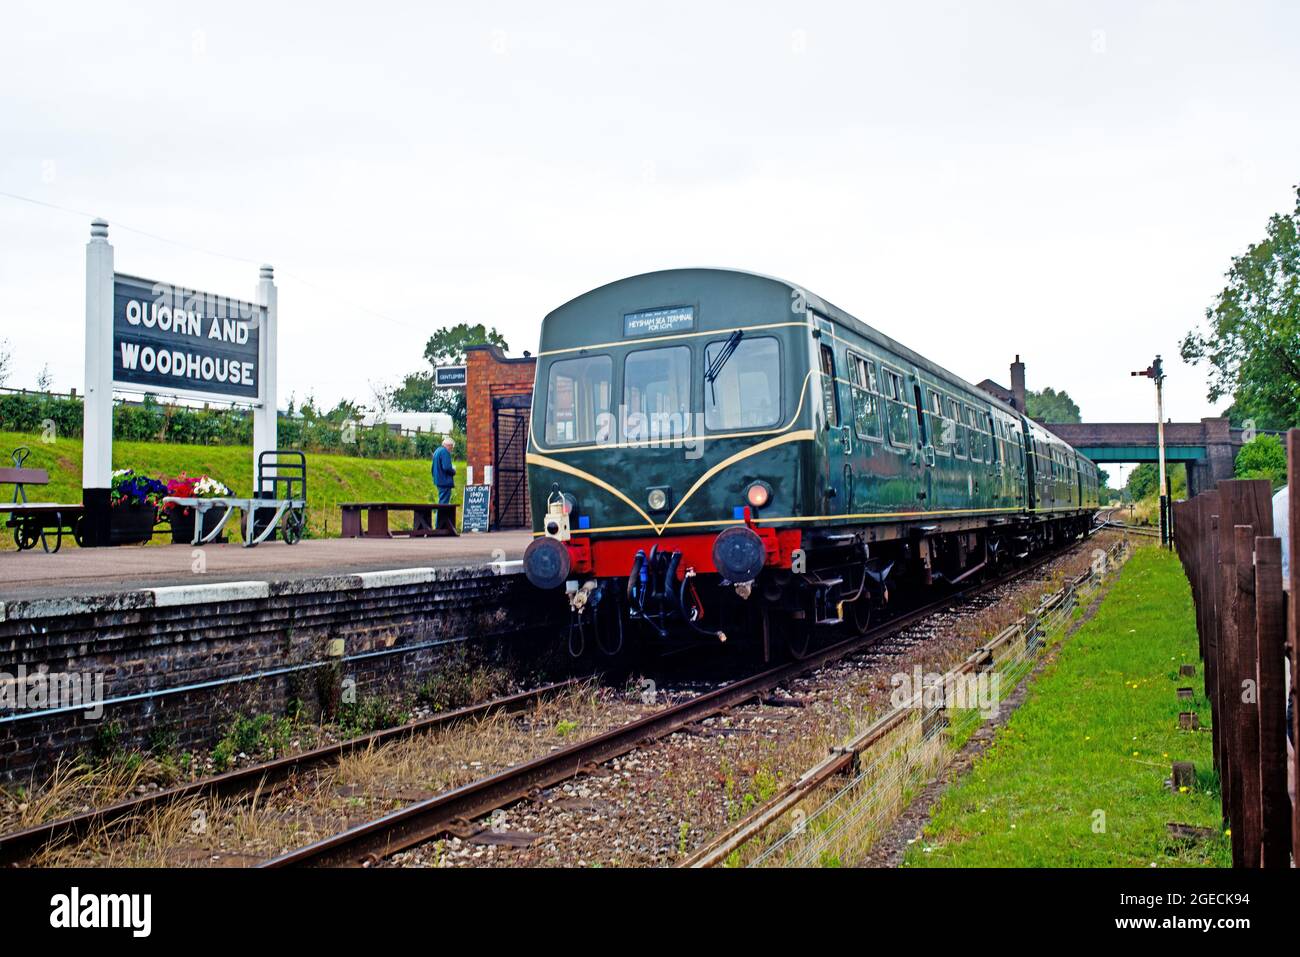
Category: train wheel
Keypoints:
(860, 615)
(798, 635)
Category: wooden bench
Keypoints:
(423, 524)
(33, 521)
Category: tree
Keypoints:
(1252, 343)
(6, 357)
(1262, 457)
(1051, 406)
(1142, 481)
(45, 379)
(445, 347)
(448, 346)
(416, 393)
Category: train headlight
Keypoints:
(657, 499)
(758, 494)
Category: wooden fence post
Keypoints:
(1209, 560)
(1249, 503)
(1270, 623)
(1246, 687)
(1229, 689)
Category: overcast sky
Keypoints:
(1067, 181)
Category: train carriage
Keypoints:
(714, 448)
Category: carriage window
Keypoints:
(958, 427)
(900, 427)
(657, 393)
(747, 393)
(866, 402)
(978, 446)
(577, 400)
(940, 433)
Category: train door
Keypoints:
(997, 461)
(902, 443)
(870, 467)
(925, 444)
(1029, 470)
(838, 482)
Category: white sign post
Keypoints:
(172, 341)
(264, 416)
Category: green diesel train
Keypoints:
(713, 449)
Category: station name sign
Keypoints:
(657, 322)
(172, 340)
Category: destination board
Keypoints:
(657, 322)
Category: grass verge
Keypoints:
(1078, 775)
(331, 479)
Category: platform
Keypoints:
(83, 572)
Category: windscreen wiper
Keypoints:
(715, 367)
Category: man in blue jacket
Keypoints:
(444, 472)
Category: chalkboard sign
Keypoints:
(474, 508)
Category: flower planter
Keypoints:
(182, 520)
(131, 524)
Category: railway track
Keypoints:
(18, 845)
(451, 812)
(846, 757)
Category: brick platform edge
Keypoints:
(178, 663)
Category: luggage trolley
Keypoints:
(279, 501)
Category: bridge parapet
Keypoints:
(1209, 447)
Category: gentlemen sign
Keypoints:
(449, 377)
(173, 340)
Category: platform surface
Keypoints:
(99, 571)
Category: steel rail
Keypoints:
(369, 843)
(844, 758)
(17, 845)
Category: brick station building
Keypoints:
(498, 402)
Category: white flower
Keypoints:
(208, 487)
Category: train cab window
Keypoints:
(830, 394)
(866, 401)
(577, 400)
(657, 394)
(747, 392)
